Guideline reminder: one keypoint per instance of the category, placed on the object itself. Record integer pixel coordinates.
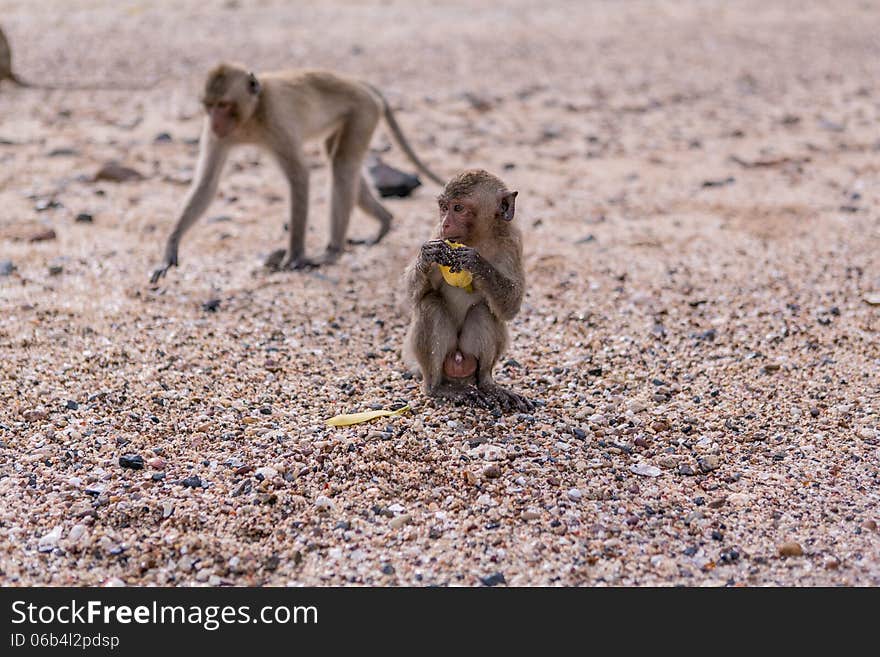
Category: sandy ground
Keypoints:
(698, 186)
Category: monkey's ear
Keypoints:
(506, 205)
(253, 84)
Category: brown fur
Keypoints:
(446, 319)
(289, 109)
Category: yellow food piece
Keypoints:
(463, 279)
(356, 418)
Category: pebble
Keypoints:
(132, 461)
(6, 267)
(492, 472)
(115, 172)
(575, 494)
(708, 463)
(790, 549)
(84, 218)
(493, 580)
(49, 540)
(399, 521)
(35, 415)
(43, 236)
(193, 481)
(324, 504)
(645, 470)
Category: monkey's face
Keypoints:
(224, 117)
(457, 216)
(231, 97)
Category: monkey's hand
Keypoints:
(435, 251)
(466, 258)
(170, 261)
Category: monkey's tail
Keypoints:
(397, 133)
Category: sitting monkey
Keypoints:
(457, 334)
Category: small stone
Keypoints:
(193, 481)
(390, 181)
(266, 473)
(492, 472)
(56, 270)
(790, 549)
(493, 580)
(115, 172)
(872, 299)
(645, 470)
(530, 514)
(211, 305)
(772, 367)
(324, 504)
(469, 477)
(49, 540)
(157, 463)
(6, 267)
(84, 218)
(399, 521)
(43, 236)
(870, 525)
(574, 494)
(388, 569)
(71, 405)
(708, 463)
(35, 415)
(132, 461)
(162, 138)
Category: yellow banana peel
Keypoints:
(463, 279)
(356, 418)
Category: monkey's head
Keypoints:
(231, 96)
(473, 204)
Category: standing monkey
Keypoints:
(280, 112)
(457, 333)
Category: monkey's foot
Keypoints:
(505, 399)
(278, 261)
(160, 272)
(460, 393)
(330, 256)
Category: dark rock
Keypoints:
(390, 181)
(115, 172)
(84, 218)
(192, 481)
(47, 204)
(211, 305)
(56, 270)
(63, 152)
(132, 461)
(71, 405)
(162, 138)
(6, 267)
(388, 569)
(43, 236)
(719, 183)
(493, 580)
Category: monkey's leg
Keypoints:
(371, 205)
(212, 156)
(349, 150)
(432, 335)
(297, 174)
(486, 337)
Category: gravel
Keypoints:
(702, 404)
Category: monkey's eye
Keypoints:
(458, 207)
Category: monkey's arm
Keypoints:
(212, 157)
(417, 277)
(503, 292)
